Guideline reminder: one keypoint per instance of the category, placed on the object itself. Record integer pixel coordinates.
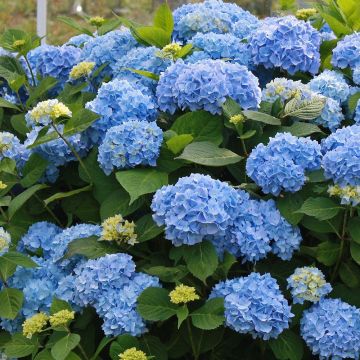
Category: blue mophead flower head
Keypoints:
(79, 40)
(196, 207)
(347, 52)
(212, 16)
(130, 144)
(5, 241)
(254, 305)
(287, 43)
(357, 113)
(331, 329)
(119, 101)
(308, 284)
(342, 156)
(205, 85)
(281, 164)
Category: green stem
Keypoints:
(3, 214)
(31, 72)
(244, 147)
(83, 352)
(51, 213)
(193, 347)
(73, 151)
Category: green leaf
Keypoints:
(288, 346)
(33, 170)
(327, 253)
(321, 208)
(154, 304)
(90, 247)
(355, 252)
(354, 229)
(7, 268)
(19, 259)
(58, 305)
(301, 129)
(207, 153)
(168, 274)
(305, 110)
(153, 35)
(103, 343)
(138, 182)
(20, 346)
(153, 347)
(108, 26)
(163, 18)
(62, 195)
(44, 355)
(146, 228)
(350, 274)
(7, 104)
(201, 259)
(247, 135)
(21, 199)
(224, 267)
(182, 315)
(42, 88)
(231, 107)
(201, 125)
(148, 74)
(288, 205)
(19, 124)
(63, 347)
(122, 343)
(11, 301)
(210, 316)
(177, 143)
(353, 100)
(72, 23)
(185, 50)
(261, 117)
(79, 122)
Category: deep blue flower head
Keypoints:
(205, 85)
(54, 61)
(331, 116)
(79, 40)
(197, 56)
(212, 16)
(258, 229)
(39, 236)
(357, 113)
(286, 43)
(117, 307)
(119, 101)
(356, 74)
(130, 144)
(141, 58)
(222, 46)
(331, 329)
(281, 165)
(308, 284)
(331, 84)
(254, 305)
(108, 48)
(341, 160)
(347, 52)
(62, 240)
(195, 207)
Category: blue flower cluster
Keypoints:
(331, 329)
(108, 48)
(258, 229)
(331, 116)
(331, 84)
(341, 160)
(130, 144)
(54, 61)
(281, 165)
(347, 52)
(79, 40)
(357, 113)
(212, 16)
(286, 43)
(195, 208)
(141, 58)
(111, 285)
(254, 305)
(222, 46)
(119, 101)
(308, 284)
(205, 85)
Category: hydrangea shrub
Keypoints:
(183, 190)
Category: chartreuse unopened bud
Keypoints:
(5, 240)
(349, 195)
(34, 324)
(305, 14)
(17, 44)
(62, 318)
(49, 108)
(96, 21)
(171, 51)
(183, 294)
(133, 354)
(82, 69)
(117, 229)
(237, 119)
(2, 185)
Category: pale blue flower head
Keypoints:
(281, 164)
(356, 74)
(254, 305)
(331, 116)
(119, 101)
(308, 284)
(331, 329)
(206, 85)
(79, 40)
(195, 208)
(287, 43)
(5, 241)
(357, 113)
(130, 144)
(347, 52)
